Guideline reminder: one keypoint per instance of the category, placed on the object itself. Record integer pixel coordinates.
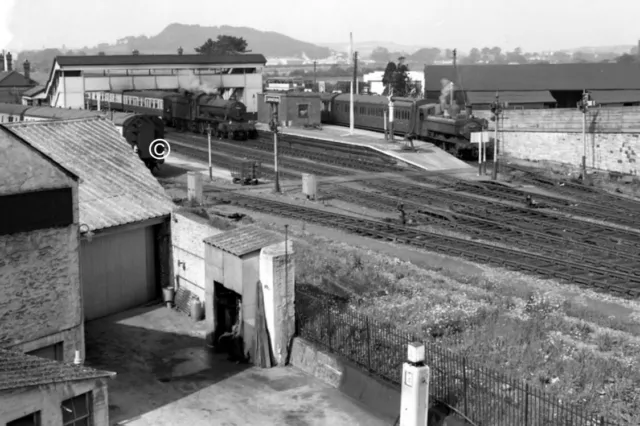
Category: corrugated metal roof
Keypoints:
(527, 97)
(34, 91)
(244, 240)
(250, 58)
(18, 370)
(115, 186)
(536, 77)
(61, 113)
(17, 109)
(615, 96)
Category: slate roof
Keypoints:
(615, 96)
(244, 240)
(536, 77)
(108, 60)
(18, 370)
(33, 91)
(24, 80)
(528, 97)
(115, 186)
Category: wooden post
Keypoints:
(209, 144)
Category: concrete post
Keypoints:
(194, 186)
(277, 271)
(414, 400)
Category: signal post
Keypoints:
(583, 106)
(496, 110)
(274, 101)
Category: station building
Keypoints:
(295, 109)
(533, 86)
(73, 78)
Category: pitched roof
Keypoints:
(18, 79)
(115, 186)
(536, 77)
(250, 58)
(33, 91)
(528, 97)
(615, 96)
(18, 370)
(244, 240)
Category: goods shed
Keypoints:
(124, 212)
(296, 109)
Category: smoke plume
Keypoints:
(195, 84)
(445, 96)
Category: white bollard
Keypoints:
(194, 186)
(414, 400)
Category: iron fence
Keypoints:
(482, 396)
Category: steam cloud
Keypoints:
(194, 84)
(445, 95)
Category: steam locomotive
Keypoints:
(181, 109)
(414, 119)
(138, 129)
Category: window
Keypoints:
(54, 352)
(77, 411)
(32, 419)
(303, 111)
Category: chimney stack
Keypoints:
(2, 62)
(180, 50)
(8, 59)
(26, 66)
(135, 52)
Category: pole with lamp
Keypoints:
(583, 106)
(274, 101)
(496, 109)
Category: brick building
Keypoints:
(537, 85)
(40, 295)
(124, 215)
(35, 391)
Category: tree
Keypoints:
(427, 55)
(380, 54)
(474, 56)
(627, 59)
(224, 45)
(387, 77)
(396, 79)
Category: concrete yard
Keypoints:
(166, 376)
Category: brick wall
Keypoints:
(187, 233)
(48, 399)
(615, 152)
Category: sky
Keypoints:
(533, 25)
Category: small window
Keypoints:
(77, 411)
(32, 419)
(54, 352)
(303, 111)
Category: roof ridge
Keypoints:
(35, 123)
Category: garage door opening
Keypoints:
(228, 311)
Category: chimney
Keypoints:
(26, 66)
(135, 52)
(8, 59)
(2, 62)
(180, 50)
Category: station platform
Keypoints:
(426, 156)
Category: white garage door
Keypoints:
(118, 272)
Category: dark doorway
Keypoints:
(226, 309)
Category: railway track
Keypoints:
(578, 190)
(546, 266)
(525, 218)
(490, 230)
(188, 144)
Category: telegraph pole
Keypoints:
(355, 71)
(351, 107)
(315, 79)
(209, 144)
(583, 106)
(274, 101)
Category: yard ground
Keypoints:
(580, 346)
(165, 376)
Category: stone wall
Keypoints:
(615, 152)
(48, 399)
(187, 233)
(40, 289)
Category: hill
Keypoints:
(268, 43)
